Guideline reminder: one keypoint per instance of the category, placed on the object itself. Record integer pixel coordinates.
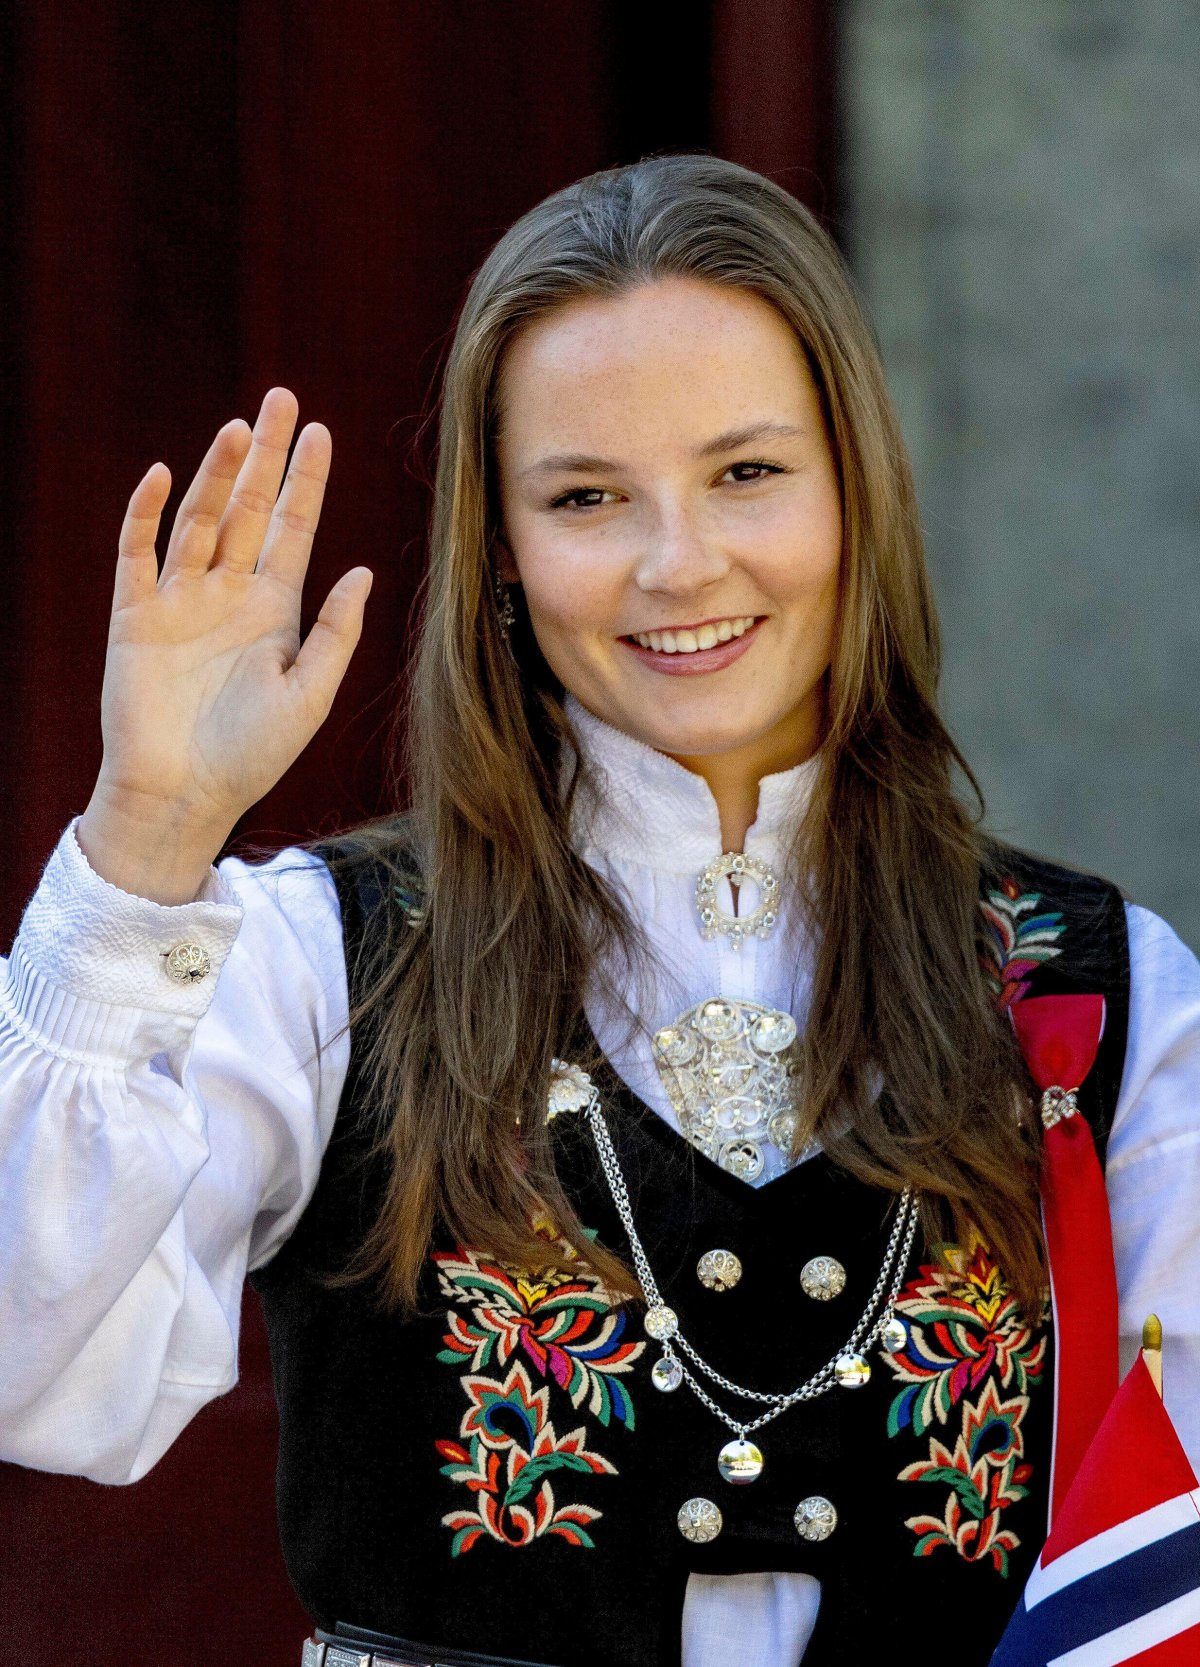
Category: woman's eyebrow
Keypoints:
(727, 441)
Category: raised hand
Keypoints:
(208, 693)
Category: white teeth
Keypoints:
(684, 641)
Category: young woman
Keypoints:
(629, 1143)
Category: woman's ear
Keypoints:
(506, 566)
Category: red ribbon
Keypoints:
(1059, 1037)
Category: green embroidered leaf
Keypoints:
(533, 1472)
(927, 1540)
(963, 1486)
(456, 1544)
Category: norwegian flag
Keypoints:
(1117, 1583)
(1118, 1580)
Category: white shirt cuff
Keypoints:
(85, 948)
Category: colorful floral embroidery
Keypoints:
(965, 1331)
(511, 1451)
(561, 1325)
(1020, 940)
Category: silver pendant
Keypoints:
(714, 921)
(894, 1336)
(718, 1270)
(815, 1518)
(740, 1461)
(823, 1278)
(661, 1323)
(743, 1158)
(666, 1374)
(851, 1370)
(700, 1520)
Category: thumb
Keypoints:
(321, 664)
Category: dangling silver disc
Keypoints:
(894, 1336)
(815, 1518)
(661, 1323)
(851, 1370)
(666, 1374)
(740, 1461)
(699, 1520)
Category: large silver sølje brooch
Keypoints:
(728, 1068)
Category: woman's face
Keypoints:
(670, 505)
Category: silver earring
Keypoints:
(504, 607)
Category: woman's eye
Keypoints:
(577, 493)
(758, 463)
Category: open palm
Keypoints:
(208, 693)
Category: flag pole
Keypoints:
(1152, 1350)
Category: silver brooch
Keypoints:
(727, 1067)
(571, 1089)
(737, 867)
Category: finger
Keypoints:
(248, 513)
(321, 664)
(137, 560)
(289, 539)
(194, 535)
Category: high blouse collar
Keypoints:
(650, 811)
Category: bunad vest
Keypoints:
(499, 1474)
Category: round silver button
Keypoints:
(815, 1518)
(700, 1520)
(718, 1270)
(822, 1278)
(186, 962)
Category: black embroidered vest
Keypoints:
(500, 1475)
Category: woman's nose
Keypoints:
(679, 557)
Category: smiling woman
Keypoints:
(654, 1270)
(683, 533)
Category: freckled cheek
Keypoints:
(576, 606)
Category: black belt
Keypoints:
(353, 1646)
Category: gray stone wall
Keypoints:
(1023, 190)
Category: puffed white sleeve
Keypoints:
(1153, 1164)
(157, 1140)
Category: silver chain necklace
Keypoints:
(740, 1460)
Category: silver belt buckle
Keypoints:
(336, 1656)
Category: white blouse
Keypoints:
(158, 1140)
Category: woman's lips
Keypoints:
(702, 659)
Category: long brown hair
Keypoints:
(466, 997)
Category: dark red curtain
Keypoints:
(201, 202)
